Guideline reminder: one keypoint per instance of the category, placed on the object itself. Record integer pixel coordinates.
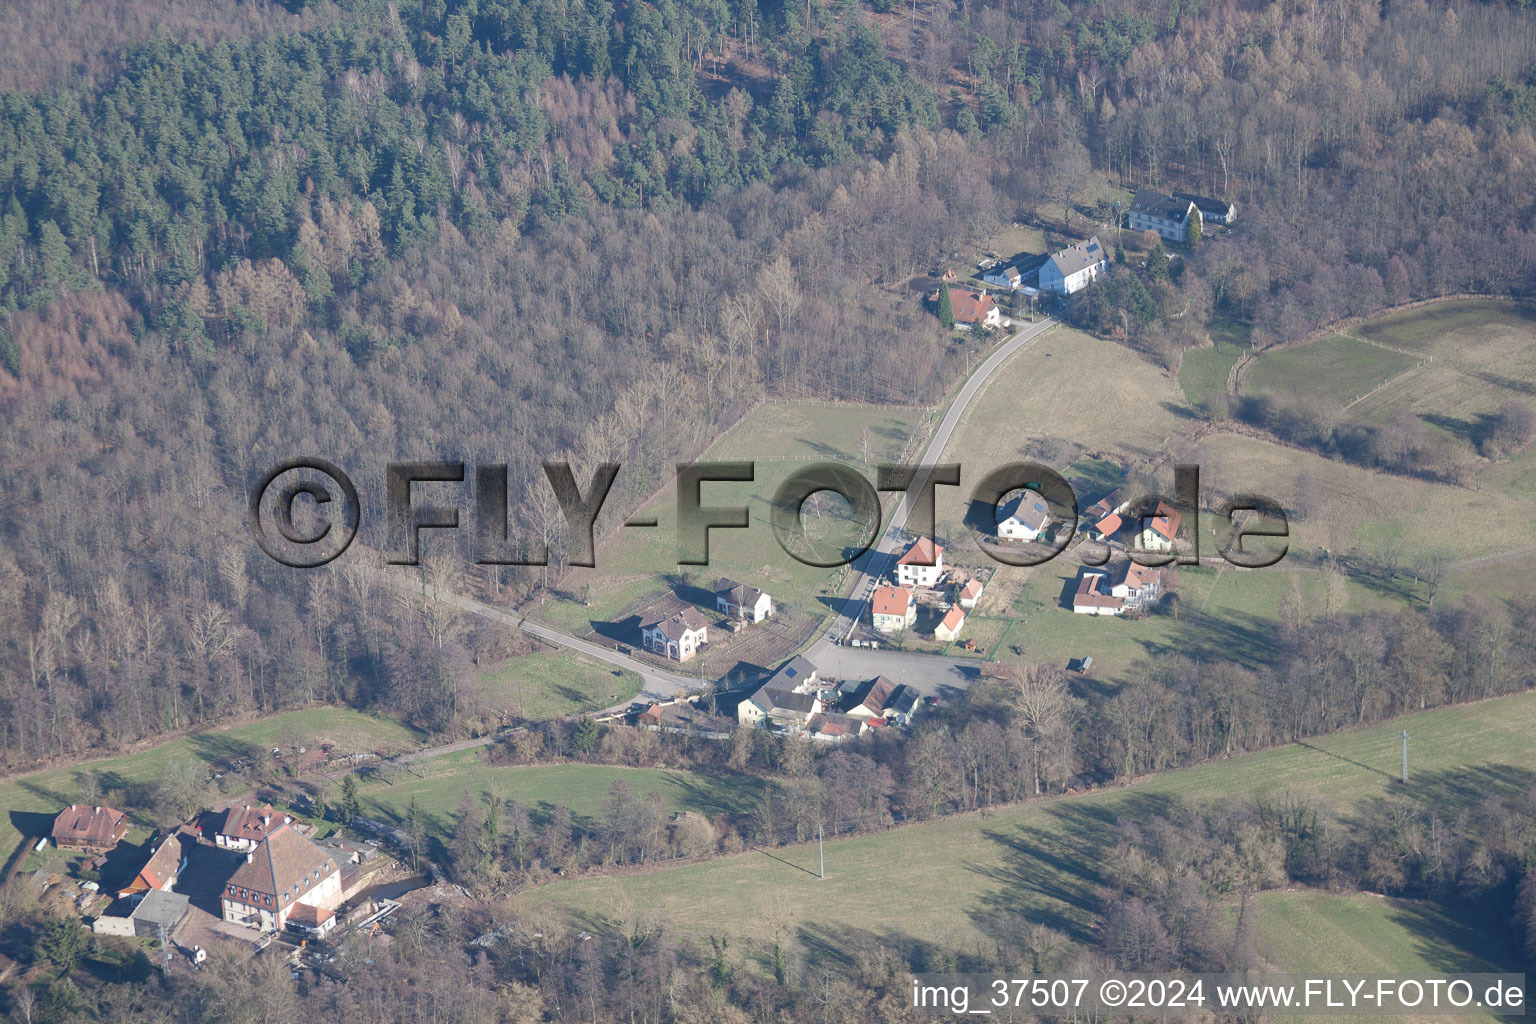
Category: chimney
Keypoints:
(250, 855)
(97, 810)
(266, 819)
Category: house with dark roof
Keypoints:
(741, 602)
(1023, 518)
(283, 872)
(1152, 210)
(870, 700)
(242, 826)
(93, 828)
(1212, 210)
(788, 699)
(903, 704)
(676, 637)
(921, 564)
(1074, 268)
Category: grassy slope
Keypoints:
(25, 800)
(640, 562)
(553, 684)
(1333, 370)
(950, 879)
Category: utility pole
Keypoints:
(1404, 735)
(821, 849)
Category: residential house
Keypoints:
(949, 629)
(1137, 586)
(1074, 268)
(676, 637)
(160, 872)
(1160, 530)
(1104, 518)
(284, 871)
(1093, 596)
(1113, 502)
(92, 828)
(788, 698)
(892, 609)
(903, 705)
(870, 700)
(1155, 211)
(968, 595)
(1212, 211)
(739, 601)
(921, 565)
(243, 827)
(1023, 519)
(1003, 275)
(972, 309)
(159, 914)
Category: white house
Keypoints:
(892, 609)
(677, 637)
(922, 565)
(969, 594)
(284, 872)
(244, 826)
(1212, 211)
(1135, 585)
(1160, 529)
(1024, 518)
(1093, 597)
(740, 601)
(1074, 268)
(1168, 216)
(788, 699)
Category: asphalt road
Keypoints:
(892, 542)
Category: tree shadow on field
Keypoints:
(1346, 760)
(848, 948)
(1048, 873)
(1455, 937)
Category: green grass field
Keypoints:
(953, 879)
(553, 684)
(1204, 371)
(780, 437)
(28, 802)
(1332, 371)
(579, 787)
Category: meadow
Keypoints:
(553, 684)
(960, 878)
(1332, 371)
(636, 565)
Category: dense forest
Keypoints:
(512, 231)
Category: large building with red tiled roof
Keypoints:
(160, 872)
(242, 827)
(90, 827)
(921, 565)
(285, 871)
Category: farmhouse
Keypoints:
(1154, 211)
(160, 872)
(892, 609)
(1022, 519)
(1074, 268)
(243, 827)
(1003, 275)
(677, 637)
(1093, 599)
(787, 699)
(953, 622)
(92, 828)
(739, 601)
(1212, 211)
(284, 871)
(1160, 529)
(968, 595)
(921, 565)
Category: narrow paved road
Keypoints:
(891, 542)
(657, 682)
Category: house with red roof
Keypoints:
(93, 828)
(892, 609)
(949, 629)
(921, 565)
(1161, 529)
(972, 309)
